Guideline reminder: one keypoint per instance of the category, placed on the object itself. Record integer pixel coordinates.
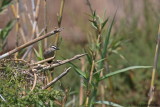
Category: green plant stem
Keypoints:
(89, 84)
(60, 13)
(45, 22)
(106, 42)
(60, 19)
(151, 93)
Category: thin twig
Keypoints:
(2, 98)
(35, 81)
(60, 63)
(151, 92)
(27, 52)
(30, 43)
(45, 60)
(57, 78)
(90, 6)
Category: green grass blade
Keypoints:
(107, 38)
(89, 58)
(38, 55)
(5, 4)
(123, 70)
(108, 103)
(5, 31)
(104, 23)
(40, 49)
(106, 42)
(80, 72)
(100, 61)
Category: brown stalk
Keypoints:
(151, 92)
(90, 80)
(60, 63)
(102, 86)
(15, 10)
(56, 79)
(18, 25)
(43, 61)
(64, 100)
(81, 91)
(35, 81)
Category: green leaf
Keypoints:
(40, 103)
(100, 60)
(4, 4)
(106, 42)
(5, 31)
(38, 55)
(89, 58)
(94, 14)
(104, 23)
(94, 24)
(40, 50)
(80, 72)
(119, 54)
(108, 103)
(51, 104)
(98, 71)
(123, 70)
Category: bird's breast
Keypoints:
(48, 54)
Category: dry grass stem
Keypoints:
(43, 61)
(151, 92)
(57, 78)
(81, 89)
(35, 81)
(60, 63)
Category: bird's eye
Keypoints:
(53, 46)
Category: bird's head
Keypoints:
(54, 47)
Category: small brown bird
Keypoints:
(50, 52)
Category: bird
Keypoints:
(49, 52)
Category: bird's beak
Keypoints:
(57, 48)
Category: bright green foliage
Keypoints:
(4, 4)
(38, 54)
